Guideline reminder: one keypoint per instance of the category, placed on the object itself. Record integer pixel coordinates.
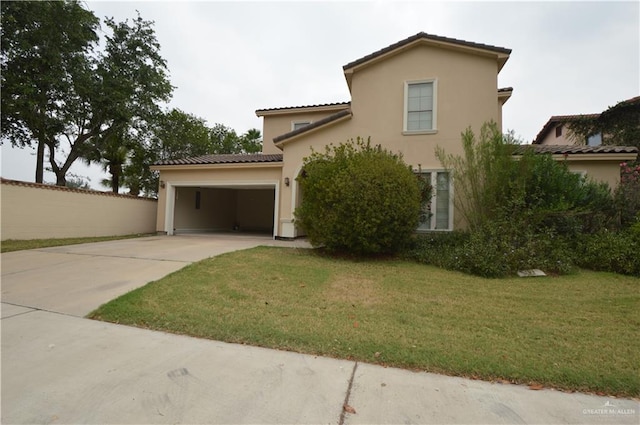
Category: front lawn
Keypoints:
(576, 332)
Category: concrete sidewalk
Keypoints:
(58, 367)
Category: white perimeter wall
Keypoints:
(35, 211)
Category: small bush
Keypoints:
(611, 251)
(497, 249)
(500, 249)
(359, 199)
(437, 248)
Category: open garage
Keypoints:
(224, 209)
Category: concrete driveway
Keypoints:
(77, 279)
(58, 367)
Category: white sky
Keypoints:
(228, 59)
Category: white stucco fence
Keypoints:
(35, 211)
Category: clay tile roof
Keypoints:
(557, 119)
(425, 36)
(575, 149)
(224, 159)
(316, 124)
(284, 108)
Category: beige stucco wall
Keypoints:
(607, 171)
(215, 212)
(240, 179)
(33, 211)
(276, 125)
(466, 96)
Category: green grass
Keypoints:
(20, 245)
(577, 332)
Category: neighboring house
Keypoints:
(409, 97)
(557, 131)
(586, 155)
(605, 126)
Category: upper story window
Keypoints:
(559, 130)
(420, 106)
(595, 140)
(295, 125)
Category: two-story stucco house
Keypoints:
(410, 97)
(586, 156)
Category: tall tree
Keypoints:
(137, 175)
(45, 46)
(251, 141)
(112, 151)
(178, 134)
(91, 98)
(225, 140)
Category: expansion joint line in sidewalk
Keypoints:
(346, 397)
(127, 257)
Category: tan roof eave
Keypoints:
(503, 96)
(217, 166)
(281, 143)
(299, 110)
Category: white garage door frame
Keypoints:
(228, 184)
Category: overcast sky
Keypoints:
(227, 59)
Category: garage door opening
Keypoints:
(224, 209)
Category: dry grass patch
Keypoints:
(353, 289)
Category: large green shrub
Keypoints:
(359, 199)
(544, 194)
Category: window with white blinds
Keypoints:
(438, 213)
(420, 114)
